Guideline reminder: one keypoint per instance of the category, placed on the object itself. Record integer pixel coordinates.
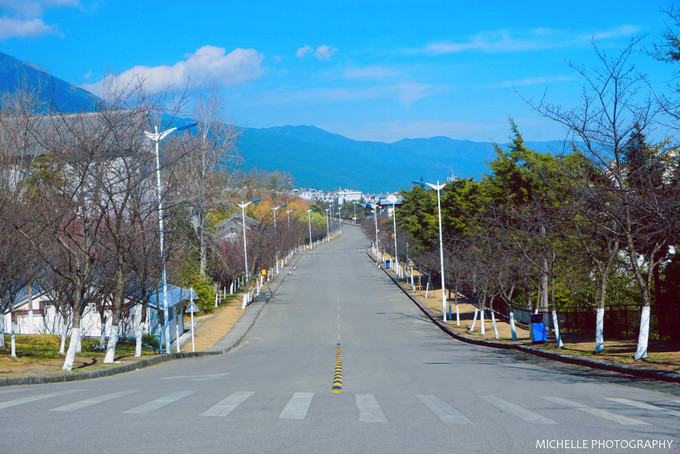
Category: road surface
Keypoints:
(341, 361)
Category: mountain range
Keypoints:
(313, 157)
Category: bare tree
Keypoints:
(611, 109)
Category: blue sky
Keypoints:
(369, 70)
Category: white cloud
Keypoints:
(321, 53)
(505, 40)
(532, 81)
(303, 51)
(325, 52)
(207, 64)
(404, 93)
(35, 8)
(619, 32)
(21, 28)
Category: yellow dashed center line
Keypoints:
(337, 377)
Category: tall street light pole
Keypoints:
(309, 221)
(276, 246)
(328, 231)
(396, 251)
(439, 187)
(157, 137)
(374, 207)
(288, 217)
(243, 206)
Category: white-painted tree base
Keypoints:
(72, 347)
(599, 330)
(643, 338)
(474, 320)
(111, 346)
(556, 325)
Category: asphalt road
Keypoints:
(341, 361)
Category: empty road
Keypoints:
(341, 361)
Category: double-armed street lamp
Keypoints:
(288, 216)
(396, 254)
(274, 209)
(276, 248)
(438, 187)
(374, 207)
(157, 137)
(243, 206)
(328, 230)
(309, 222)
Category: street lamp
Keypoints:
(274, 209)
(245, 249)
(328, 231)
(309, 221)
(157, 137)
(396, 254)
(276, 248)
(374, 207)
(288, 216)
(438, 187)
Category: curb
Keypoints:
(230, 341)
(595, 364)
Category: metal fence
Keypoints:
(619, 321)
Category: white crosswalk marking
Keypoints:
(227, 405)
(92, 401)
(369, 410)
(446, 413)
(596, 411)
(527, 415)
(158, 403)
(25, 400)
(644, 406)
(8, 391)
(297, 406)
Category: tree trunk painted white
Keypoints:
(556, 326)
(13, 344)
(427, 288)
(493, 322)
(79, 344)
(102, 335)
(457, 314)
(599, 330)
(177, 333)
(138, 338)
(111, 346)
(64, 330)
(30, 310)
(512, 326)
(245, 300)
(474, 320)
(643, 338)
(2, 330)
(72, 346)
(482, 325)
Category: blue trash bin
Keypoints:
(539, 333)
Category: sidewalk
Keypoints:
(663, 361)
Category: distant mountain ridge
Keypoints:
(323, 160)
(315, 158)
(53, 93)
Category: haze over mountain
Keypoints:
(313, 157)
